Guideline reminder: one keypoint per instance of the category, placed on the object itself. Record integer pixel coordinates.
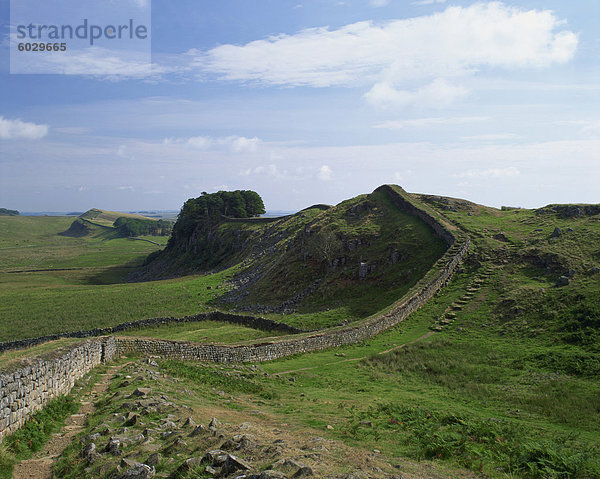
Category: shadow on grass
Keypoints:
(116, 274)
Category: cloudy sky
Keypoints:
(314, 101)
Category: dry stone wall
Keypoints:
(254, 322)
(417, 297)
(27, 387)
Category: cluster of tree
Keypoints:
(5, 212)
(210, 207)
(141, 227)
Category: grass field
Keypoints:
(51, 283)
(202, 332)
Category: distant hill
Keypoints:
(107, 218)
(5, 212)
(97, 222)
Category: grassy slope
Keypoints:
(81, 282)
(90, 292)
(510, 387)
(107, 218)
(341, 296)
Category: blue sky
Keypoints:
(315, 101)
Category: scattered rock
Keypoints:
(216, 457)
(126, 463)
(189, 422)
(154, 459)
(198, 430)
(141, 392)
(132, 419)
(357, 475)
(189, 464)
(214, 422)
(304, 471)
(556, 233)
(271, 474)
(233, 464)
(211, 470)
(139, 471)
(562, 281)
(113, 447)
(89, 452)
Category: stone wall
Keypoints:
(413, 300)
(255, 322)
(29, 385)
(299, 344)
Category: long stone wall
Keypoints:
(281, 348)
(413, 300)
(29, 386)
(254, 322)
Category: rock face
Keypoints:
(570, 211)
(364, 269)
(78, 229)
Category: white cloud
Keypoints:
(437, 94)
(378, 3)
(241, 143)
(405, 62)
(72, 130)
(237, 144)
(425, 122)
(264, 170)
(427, 2)
(489, 173)
(17, 129)
(324, 173)
(126, 188)
(492, 137)
(587, 128)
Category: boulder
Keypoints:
(141, 392)
(113, 447)
(138, 471)
(233, 464)
(154, 459)
(304, 471)
(556, 233)
(562, 281)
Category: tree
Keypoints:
(324, 246)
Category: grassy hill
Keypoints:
(327, 264)
(497, 376)
(107, 218)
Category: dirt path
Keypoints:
(400, 346)
(40, 465)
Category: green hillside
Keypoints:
(497, 376)
(107, 218)
(309, 263)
